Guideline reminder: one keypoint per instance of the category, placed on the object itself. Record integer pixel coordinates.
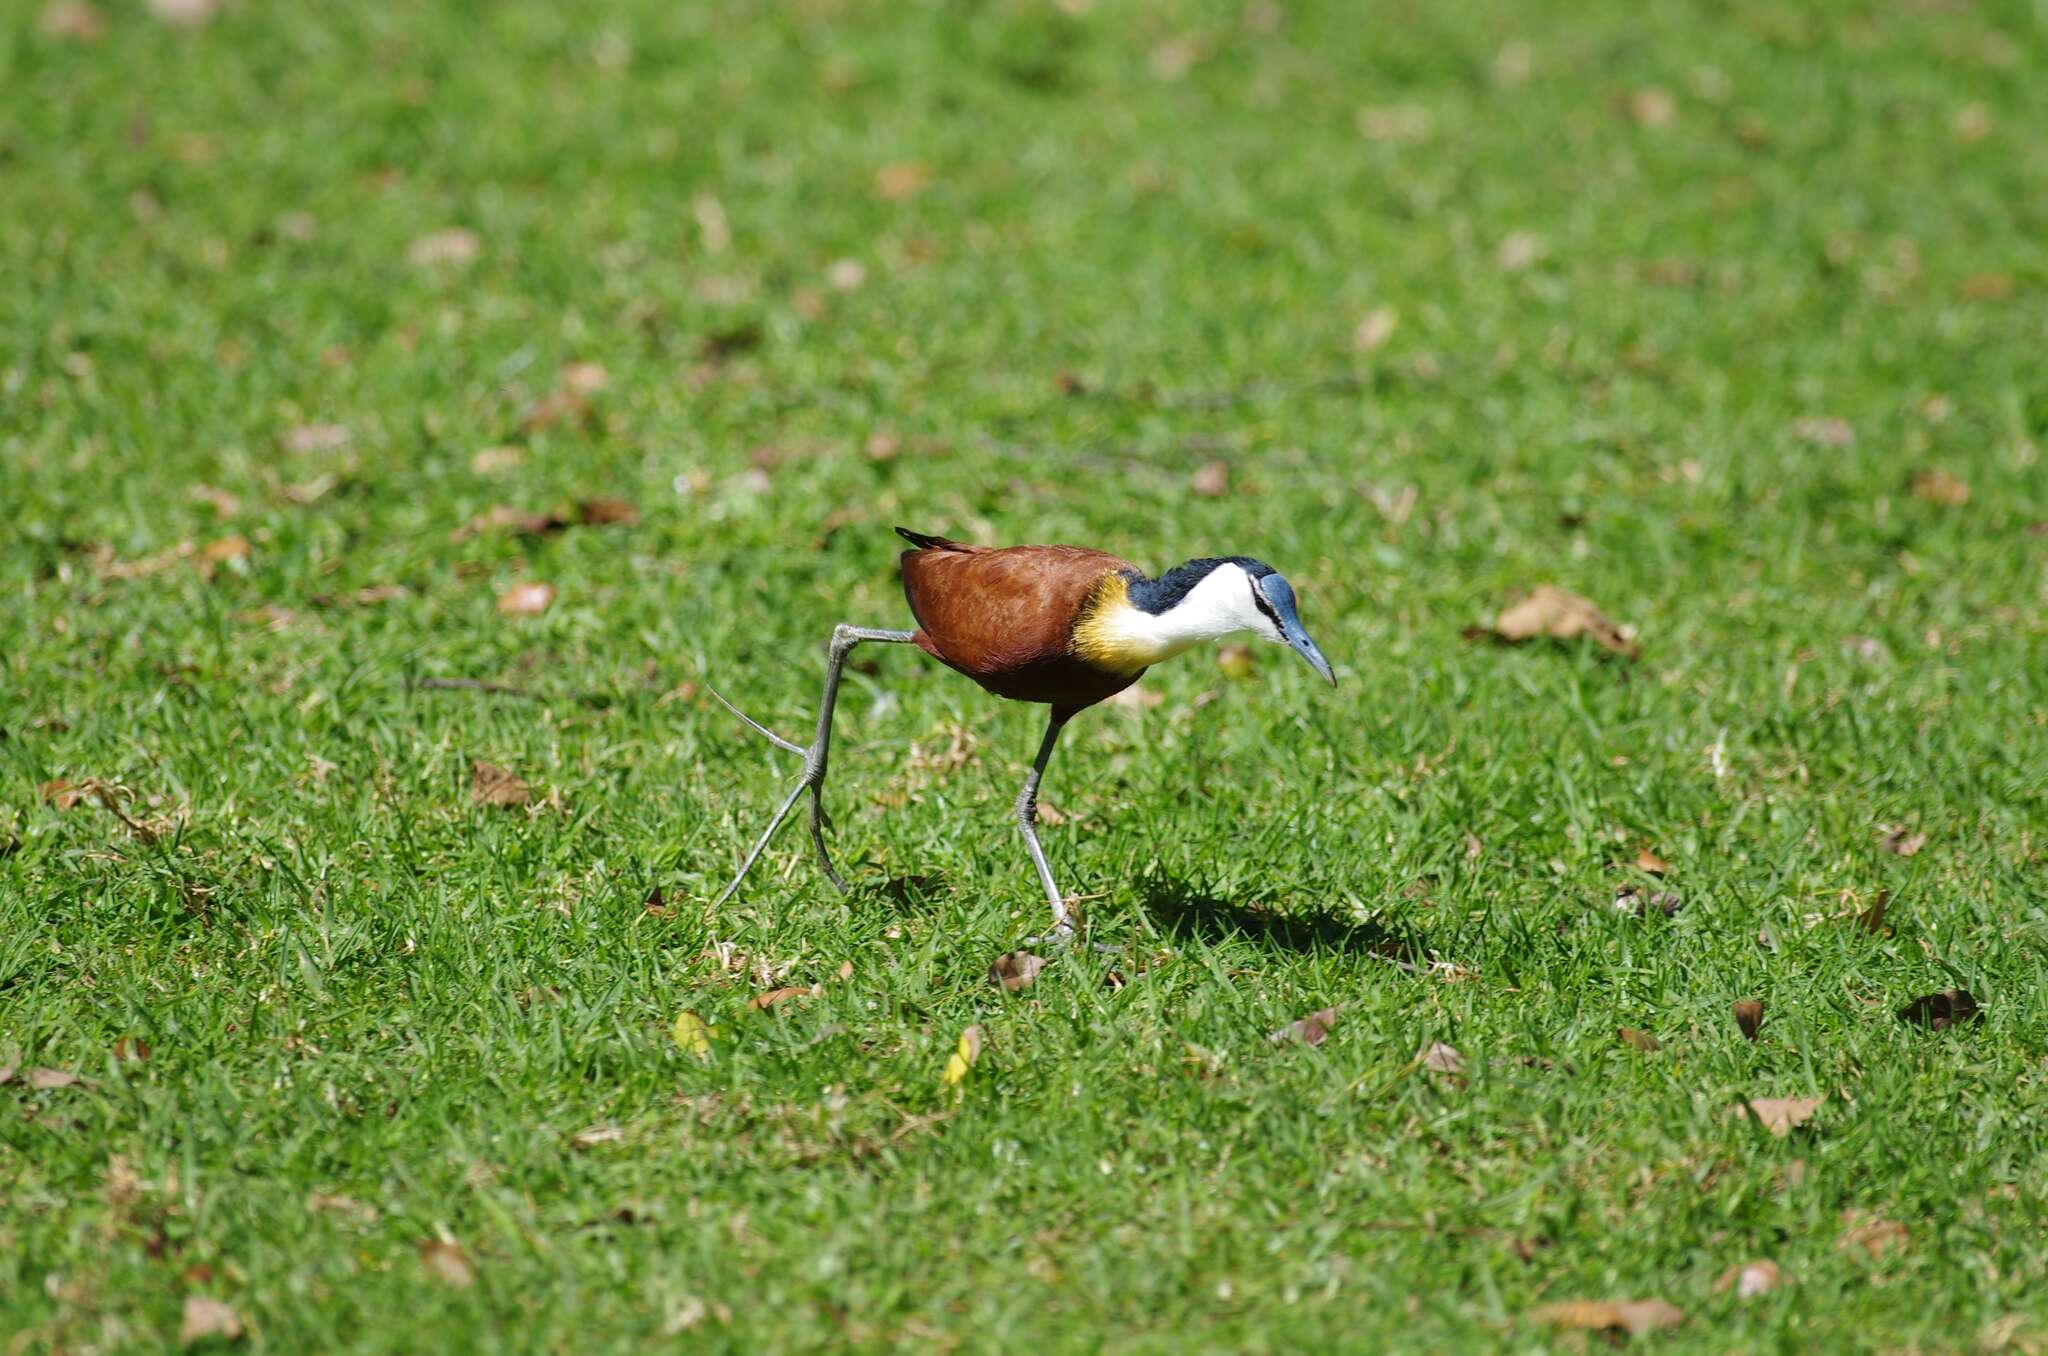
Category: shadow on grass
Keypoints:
(1180, 911)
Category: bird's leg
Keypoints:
(844, 638)
(1027, 820)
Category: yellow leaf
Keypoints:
(694, 1035)
(963, 1056)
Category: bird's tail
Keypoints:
(924, 541)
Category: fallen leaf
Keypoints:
(1135, 698)
(693, 1034)
(1652, 106)
(1211, 479)
(1310, 1030)
(220, 552)
(454, 247)
(846, 275)
(845, 970)
(1440, 1058)
(48, 1080)
(1237, 662)
(184, 13)
(130, 1050)
(762, 1001)
(607, 513)
(528, 599)
(1374, 329)
(1634, 1317)
(1940, 487)
(1748, 1279)
(7, 1073)
(1871, 1234)
(1560, 615)
(492, 460)
(1823, 431)
(1015, 970)
(1939, 1010)
(1473, 846)
(1650, 862)
(595, 1135)
(1639, 1040)
(223, 504)
(490, 784)
(1901, 843)
(1749, 1014)
(446, 1263)
(204, 1318)
(963, 1057)
(1780, 1115)
(1972, 123)
(321, 1202)
(309, 438)
(1518, 250)
(1871, 919)
(59, 794)
(585, 379)
(1176, 56)
(1394, 122)
(1987, 287)
(899, 181)
(73, 19)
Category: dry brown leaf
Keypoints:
(321, 1202)
(1823, 431)
(585, 379)
(1940, 487)
(1987, 287)
(224, 550)
(1310, 1030)
(1652, 106)
(446, 1263)
(1749, 1015)
(1639, 1040)
(223, 504)
(1871, 1234)
(595, 1135)
(527, 599)
(1518, 250)
(1634, 1317)
(1015, 970)
(490, 784)
(453, 247)
(1650, 862)
(846, 275)
(1972, 123)
(1749, 1279)
(1940, 1010)
(1440, 1058)
(310, 438)
(1135, 698)
(1780, 1115)
(1211, 479)
(899, 181)
(1560, 615)
(7, 1073)
(72, 19)
(492, 460)
(771, 997)
(1901, 843)
(205, 1318)
(130, 1050)
(845, 970)
(1474, 846)
(1374, 329)
(1871, 919)
(606, 513)
(49, 1080)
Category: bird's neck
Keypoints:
(1115, 634)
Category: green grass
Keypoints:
(1146, 239)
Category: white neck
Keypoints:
(1220, 605)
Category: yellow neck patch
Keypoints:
(1111, 634)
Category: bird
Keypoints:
(1060, 626)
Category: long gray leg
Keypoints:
(1027, 820)
(844, 638)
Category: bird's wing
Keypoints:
(992, 610)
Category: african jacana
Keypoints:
(1063, 625)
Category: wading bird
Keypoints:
(1061, 625)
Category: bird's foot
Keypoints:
(811, 780)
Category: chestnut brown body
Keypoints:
(1005, 616)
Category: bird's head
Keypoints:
(1215, 597)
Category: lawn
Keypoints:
(407, 411)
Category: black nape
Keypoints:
(1164, 593)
